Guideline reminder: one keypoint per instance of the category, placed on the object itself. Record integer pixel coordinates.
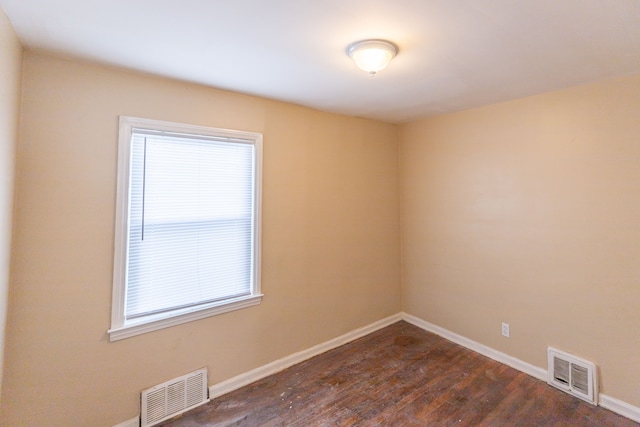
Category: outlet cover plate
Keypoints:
(505, 329)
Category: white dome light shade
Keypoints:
(372, 55)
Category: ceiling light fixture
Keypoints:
(372, 55)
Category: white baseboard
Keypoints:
(281, 364)
(515, 363)
(618, 406)
(133, 422)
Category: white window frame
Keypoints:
(122, 328)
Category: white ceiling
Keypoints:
(454, 54)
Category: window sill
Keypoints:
(141, 327)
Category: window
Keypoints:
(187, 242)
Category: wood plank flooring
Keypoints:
(399, 376)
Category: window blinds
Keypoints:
(190, 221)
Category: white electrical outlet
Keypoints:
(505, 329)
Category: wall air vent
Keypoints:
(573, 375)
(173, 397)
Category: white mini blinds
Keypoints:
(187, 233)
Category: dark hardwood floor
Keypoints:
(399, 376)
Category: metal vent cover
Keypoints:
(173, 397)
(572, 375)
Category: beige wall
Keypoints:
(330, 242)
(10, 71)
(528, 212)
